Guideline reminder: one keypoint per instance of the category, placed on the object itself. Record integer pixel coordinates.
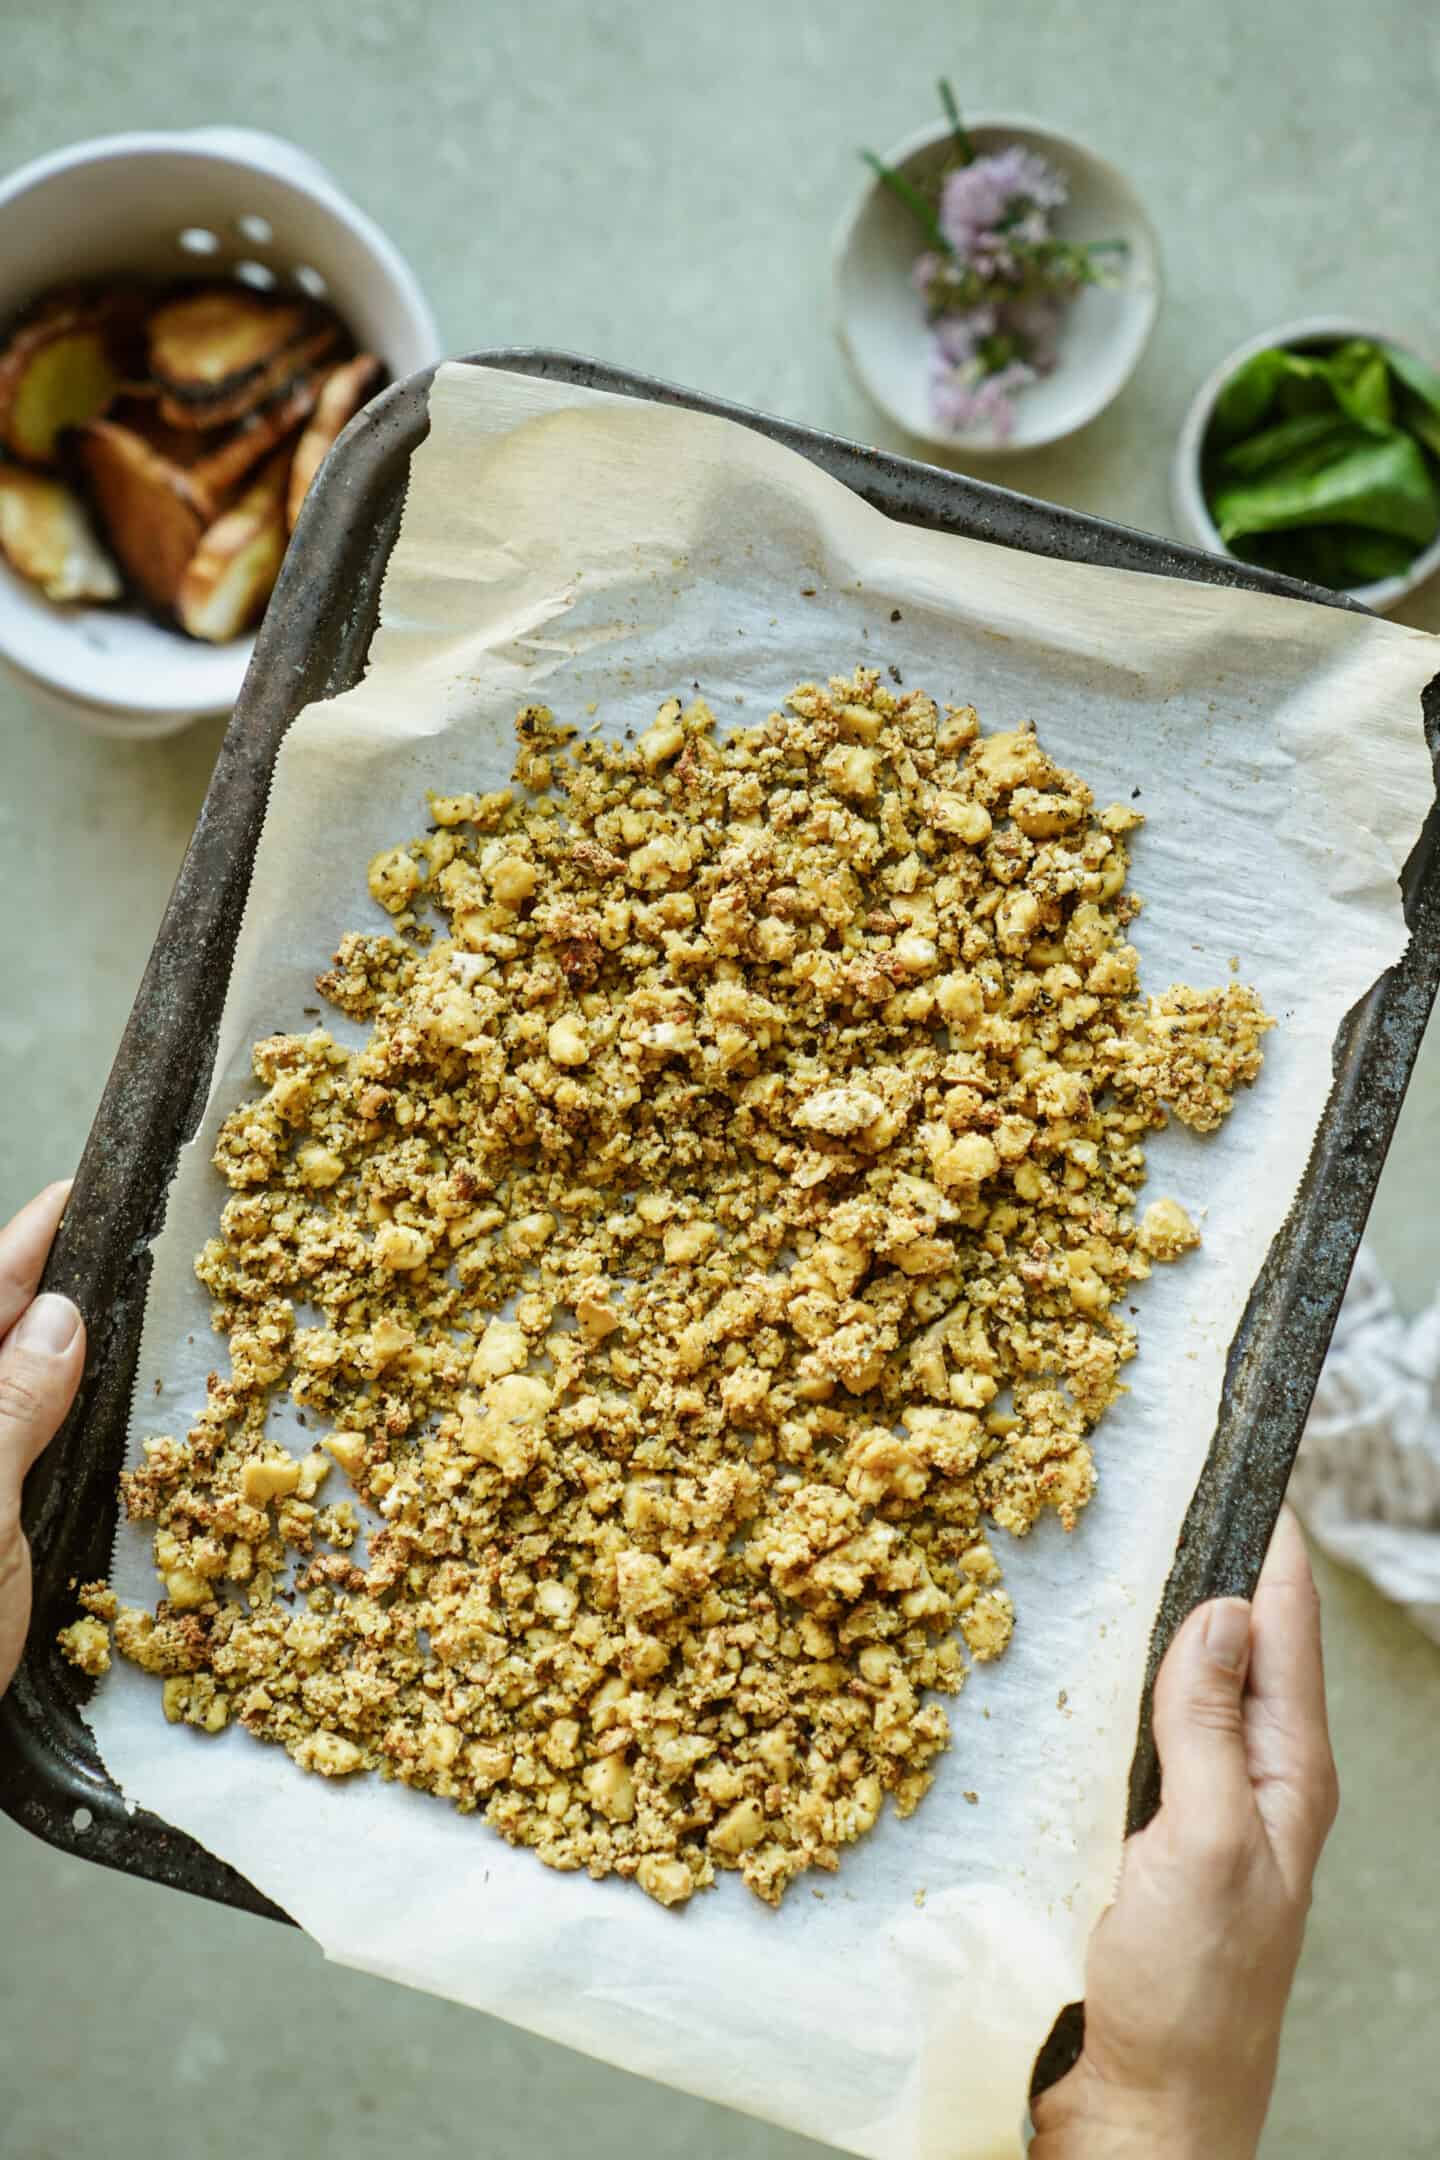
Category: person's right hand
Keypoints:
(42, 1354)
(1190, 1969)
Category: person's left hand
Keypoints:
(42, 1354)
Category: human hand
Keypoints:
(1190, 1969)
(42, 1353)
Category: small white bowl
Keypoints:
(881, 318)
(1187, 489)
(216, 199)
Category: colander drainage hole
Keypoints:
(198, 240)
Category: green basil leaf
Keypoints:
(1421, 421)
(1305, 389)
(1289, 553)
(1272, 445)
(1422, 381)
(1361, 383)
(1246, 398)
(1340, 557)
(1329, 556)
(1366, 557)
(1383, 484)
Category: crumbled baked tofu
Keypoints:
(98, 1599)
(86, 1643)
(1166, 1231)
(729, 1217)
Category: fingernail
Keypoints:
(49, 1325)
(1227, 1632)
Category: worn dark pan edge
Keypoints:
(312, 645)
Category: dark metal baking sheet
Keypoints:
(313, 645)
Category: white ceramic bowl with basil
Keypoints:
(1325, 468)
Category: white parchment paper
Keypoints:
(562, 545)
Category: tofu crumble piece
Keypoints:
(730, 1217)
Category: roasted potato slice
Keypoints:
(344, 392)
(138, 408)
(207, 343)
(217, 462)
(222, 469)
(256, 389)
(230, 576)
(56, 372)
(152, 514)
(48, 538)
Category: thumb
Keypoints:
(40, 1365)
(1200, 1727)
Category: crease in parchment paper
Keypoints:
(560, 544)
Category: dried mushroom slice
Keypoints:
(258, 388)
(47, 537)
(207, 344)
(345, 390)
(56, 372)
(152, 514)
(229, 578)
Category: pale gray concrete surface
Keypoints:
(658, 185)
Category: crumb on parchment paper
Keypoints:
(730, 1215)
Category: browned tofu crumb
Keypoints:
(86, 1643)
(729, 1216)
(1166, 1231)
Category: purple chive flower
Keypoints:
(957, 337)
(993, 213)
(994, 278)
(978, 197)
(1035, 321)
(965, 400)
(926, 269)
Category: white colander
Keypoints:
(215, 199)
